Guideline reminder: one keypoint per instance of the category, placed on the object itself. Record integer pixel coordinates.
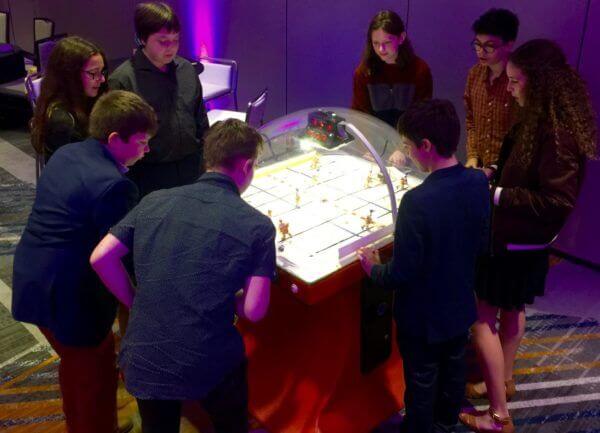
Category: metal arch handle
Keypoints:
(379, 161)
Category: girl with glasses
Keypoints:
(74, 79)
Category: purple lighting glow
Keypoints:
(202, 19)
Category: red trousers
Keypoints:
(88, 384)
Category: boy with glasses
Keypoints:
(488, 105)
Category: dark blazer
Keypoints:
(441, 230)
(80, 195)
(536, 198)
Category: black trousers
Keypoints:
(152, 177)
(435, 376)
(226, 405)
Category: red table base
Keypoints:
(304, 363)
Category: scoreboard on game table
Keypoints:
(327, 128)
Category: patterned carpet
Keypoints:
(557, 370)
(557, 374)
(16, 198)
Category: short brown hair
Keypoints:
(228, 140)
(151, 17)
(122, 112)
(435, 120)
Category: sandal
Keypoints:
(470, 421)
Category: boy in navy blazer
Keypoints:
(442, 228)
(81, 193)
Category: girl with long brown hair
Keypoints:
(540, 172)
(74, 79)
(390, 76)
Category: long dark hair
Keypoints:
(62, 86)
(390, 22)
(554, 93)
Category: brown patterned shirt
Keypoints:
(490, 109)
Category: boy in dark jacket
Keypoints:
(441, 229)
(81, 193)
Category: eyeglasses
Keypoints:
(488, 48)
(96, 75)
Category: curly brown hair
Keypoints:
(556, 94)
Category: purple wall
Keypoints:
(109, 23)
(252, 33)
(305, 51)
(325, 43)
(581, 235)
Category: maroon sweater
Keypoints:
(388, 93)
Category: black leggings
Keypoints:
(226, 405)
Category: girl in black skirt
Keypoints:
(539, 175)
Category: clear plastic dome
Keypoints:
(291, 134)
(326, 181)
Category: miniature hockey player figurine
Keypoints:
(369, 179)
(315, 163)
(284, 230)
(368, 221)
(404, 182)
(297, 198)
(270, 213)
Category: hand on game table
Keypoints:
(472, 163)
(398, 159)
(368, 156)
(489, 172)
(368, 257)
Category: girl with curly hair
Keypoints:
(74, 79)
(539, 175)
